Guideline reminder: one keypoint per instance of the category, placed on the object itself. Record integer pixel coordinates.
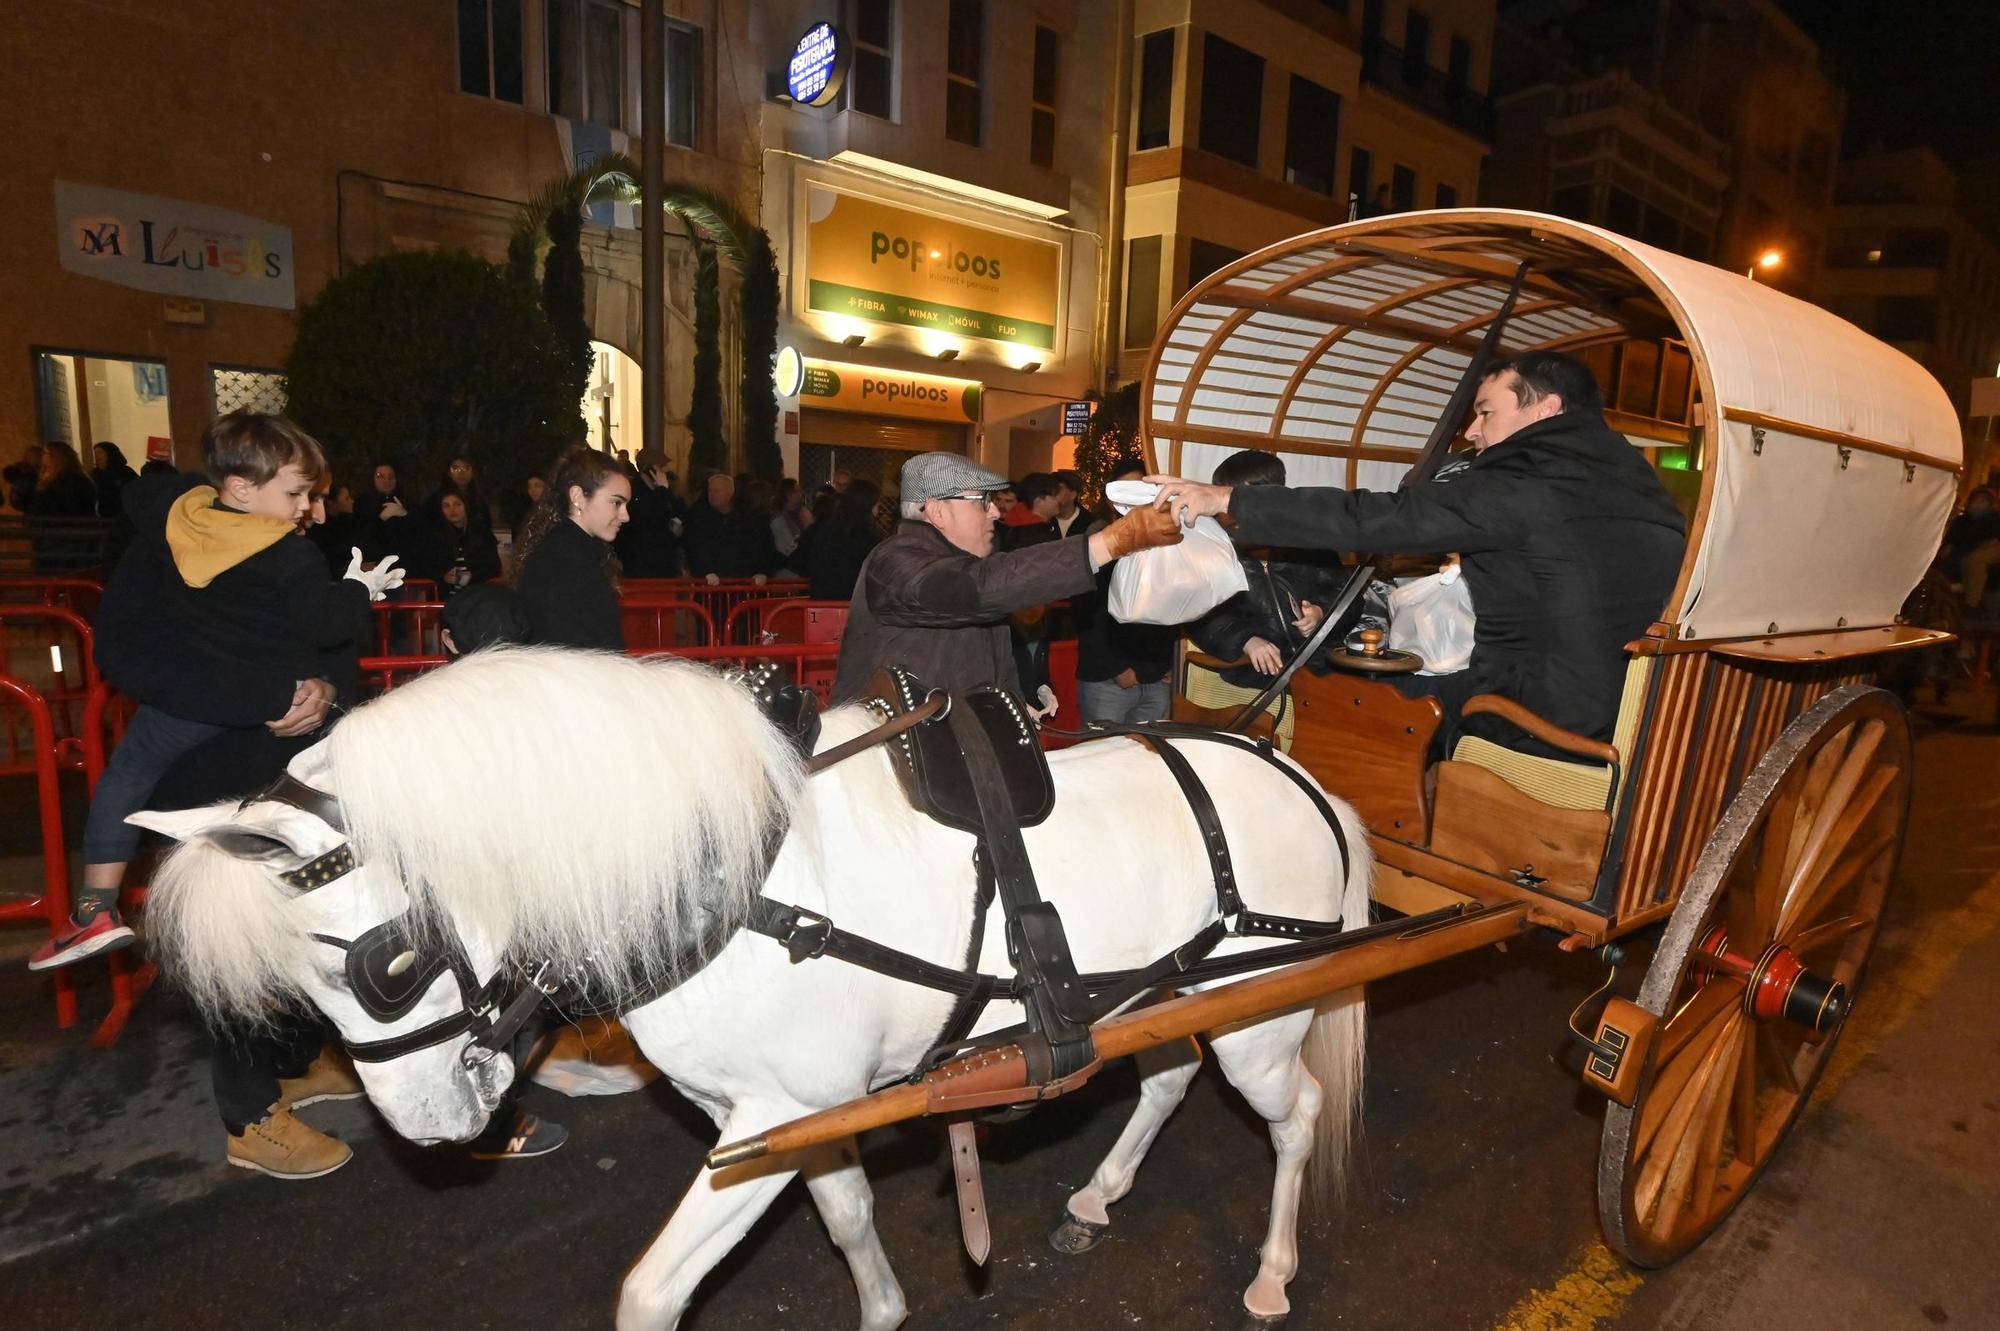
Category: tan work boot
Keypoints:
(331, 1077)
(284, 1147)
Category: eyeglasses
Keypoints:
(984, 497)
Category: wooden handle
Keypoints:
(1548, 732)
(1162, 1023)
(1371, 641)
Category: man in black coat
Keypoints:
(934, 598)
(1569, 543)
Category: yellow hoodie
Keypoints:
(208, 541)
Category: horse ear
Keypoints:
(231, 828)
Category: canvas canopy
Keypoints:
(1818, 465)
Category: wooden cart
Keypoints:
(1750, 808)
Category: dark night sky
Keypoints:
(1919, 72)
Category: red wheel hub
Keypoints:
(1777, 984)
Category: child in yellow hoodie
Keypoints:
(245, 618)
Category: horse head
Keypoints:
(264, 903)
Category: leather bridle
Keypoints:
(387, 969)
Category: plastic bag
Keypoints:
(1432, 616)
(1173, 584)
(595, 1056)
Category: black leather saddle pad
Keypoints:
(933, 771)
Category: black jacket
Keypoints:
(568, 591)
(1265, 609)
(736, 544)
(443, 547)
(647, 545)
(830, 554)
(232, 652)
(924, 604)
(379, 536)
(1571, 546)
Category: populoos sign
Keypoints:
(838, 386)
(876, 261)
(175, 248)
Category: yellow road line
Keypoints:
(1598, 1285)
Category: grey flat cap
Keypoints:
(935, 475)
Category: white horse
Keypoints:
(543, 803)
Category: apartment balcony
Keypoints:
(1429, 89)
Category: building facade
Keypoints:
(1906, 263)
(175, 205)
(939, 222)
(1704, 126)
(1252, 122)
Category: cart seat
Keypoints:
(1561, 782)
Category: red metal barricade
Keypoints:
(78, 594)
(61, 637)
(654, 622)
(52, 906)
(719, 598)
(404, 628)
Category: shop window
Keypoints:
(1042, 112)
(489, 49)
(233, 388)
(1660, 228)
(1572, 201)
(683, 118)
(1156, 88)
(86, 400)
(1312, 136)
(1447, 196)
(1232, 99)
(1360, 167)
(964, 38)
(586, 55)
(1621, 212)
(1403, 189)
(871, 81)
(1205, 256)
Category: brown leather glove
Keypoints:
(1141, 529)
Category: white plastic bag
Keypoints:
(1432, 616)
(1174, 584)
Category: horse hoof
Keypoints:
(1257, 1322)
(1074, 1237)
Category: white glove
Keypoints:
(394, 509)
(1046, 696)
(711, 579)
(379, 581)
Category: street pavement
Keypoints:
(1470, 1204)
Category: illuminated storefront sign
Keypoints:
(842, 386)
(817, 66)
(172, 247)
(876, 261)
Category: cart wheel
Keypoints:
(1756, 973)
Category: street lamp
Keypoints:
(1768, 260)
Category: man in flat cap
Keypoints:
(934, 598)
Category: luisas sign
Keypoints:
(173, 247)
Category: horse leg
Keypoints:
(1164, 1074)
(1262, 1061)
(846, 1204)
(713, 1216)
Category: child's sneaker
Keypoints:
(531, 1136)
(103, 932)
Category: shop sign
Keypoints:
(173, 247)
(818, 66)
(844, 386)
(1076, 418)
(873, 260)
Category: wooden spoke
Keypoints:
(1839, 825)
(1808, 941)
(1674, 1076)
(1804, 854)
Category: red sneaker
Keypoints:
(104, 932)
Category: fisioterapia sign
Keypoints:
(888, 264)
(173, 247)
(840, 386)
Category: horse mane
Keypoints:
(578, 806)
(233, 944)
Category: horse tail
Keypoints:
(1335, 1047)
